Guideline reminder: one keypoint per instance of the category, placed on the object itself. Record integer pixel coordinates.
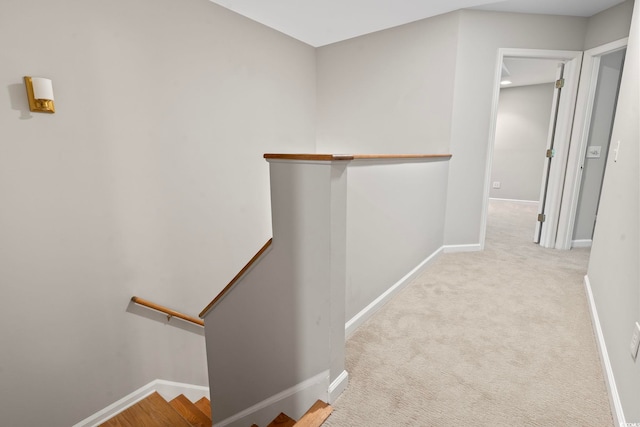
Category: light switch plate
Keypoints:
(635, 341)
(593, 151)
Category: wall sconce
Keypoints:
(40, 94)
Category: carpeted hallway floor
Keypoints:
(501, 337)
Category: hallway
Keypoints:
(501, 337)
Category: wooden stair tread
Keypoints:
(190, 412)
(316, 415)
(282, 420)
(204, 405)
(152, 411)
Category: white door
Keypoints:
(553, 124)
(595, 160)
(580, 136)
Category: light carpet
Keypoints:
(501, 337)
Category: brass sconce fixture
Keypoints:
(40, 94)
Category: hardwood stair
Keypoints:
(314, 417)
(155, 411)
(152, 411)
(190, 412)
(205, 406)
(282, 420)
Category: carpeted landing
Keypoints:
(501, 337)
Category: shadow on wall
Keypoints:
(19, 102)
(157, 316)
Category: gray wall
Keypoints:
(148, 180)
(128, 189)
(273, 330)
(609, 25)
(427, 87)
(599, 134)
(390, 91)
(481, 35)
(613, 267)
(522, 129)
(397, 208)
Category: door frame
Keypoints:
(573, 62)
(580, 137)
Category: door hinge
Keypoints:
(550, 153)
(559, 84)
(541, 217)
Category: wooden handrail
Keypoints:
(170, 313)
(236, 278)
(337, 157)
(399, 156)
(321, 157)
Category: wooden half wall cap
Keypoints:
(336, 157)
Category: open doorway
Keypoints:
(572, 143)
(599, 85)
(522, 128)
(552, 160)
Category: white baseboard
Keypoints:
(452, 249)
(293, 401)
(357, 320)
(614, 398)
(338, 386)
(581, 243)
(514, 200)
(167, 389)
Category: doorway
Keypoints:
(598, 142)
(522, 128)
(585, 170)
(557, 142)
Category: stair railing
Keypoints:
(169, 312)
(238, 276)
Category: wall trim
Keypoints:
(452, 249)
(614, 397)
(167, 389)
(338, 386)
(581, 243)
(352, 325)
(316, 382)
(514, 200)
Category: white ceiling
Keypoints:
(552, 7)
(524, 71)
(322, 22)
